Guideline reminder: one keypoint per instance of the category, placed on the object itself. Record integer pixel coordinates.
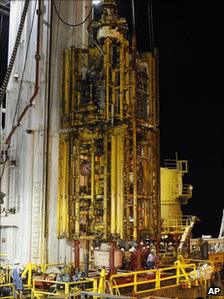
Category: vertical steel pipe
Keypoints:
(118, 185)
(77, 188)
(112, 250)
(92, 179)
(127, 78)
(135, 191)
(76, 251)
(107, 76)
(134, 141)
(113, 185)
(105, 186)
(122, 61)
(67, 80)
(122, 178)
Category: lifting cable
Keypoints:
(14, 52)
(133, 17)
(151, 27)
(68, 24)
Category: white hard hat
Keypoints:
(132, 249)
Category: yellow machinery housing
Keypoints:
(108, 151)
(173, 194)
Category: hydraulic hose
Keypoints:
(14, 52)
(36, 87)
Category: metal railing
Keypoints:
(42, 287)
(186, 191)
(151, 280)
(176, 225)
(170, 163)
(181, 165)
(198, 262)
(43, 268)
(184, 271)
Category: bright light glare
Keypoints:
(96, 2)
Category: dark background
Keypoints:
(189, 38)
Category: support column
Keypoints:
(84, 256)
(76, 251)
(112, 249)
(139, 262)
(113, 185)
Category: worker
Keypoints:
(132, 249)
(150, 263)
(133, 258)
(17, 279)
(162, 247)
(144, 255)
(170, 249)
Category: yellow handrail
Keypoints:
(160, 278)
(68, 287)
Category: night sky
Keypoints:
(189, 39)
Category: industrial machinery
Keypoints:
(174, 192)
(210, 248)
(99, 169)
(108, 148)
(175, 228)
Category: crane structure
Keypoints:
(221, 232)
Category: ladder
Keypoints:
(186, 234)
(36, 210)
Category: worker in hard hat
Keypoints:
(132, 249)
(150, 262)
(170, 249)
(133, 258)
(17, 279)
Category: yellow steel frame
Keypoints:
(69, 288)
(5, 275)
(62, 210)
(28, 272)
(162, 278)
(7, 278)
(115, 135)
(105, 188)
(217, 259)
(31, 268)
(175, 226)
